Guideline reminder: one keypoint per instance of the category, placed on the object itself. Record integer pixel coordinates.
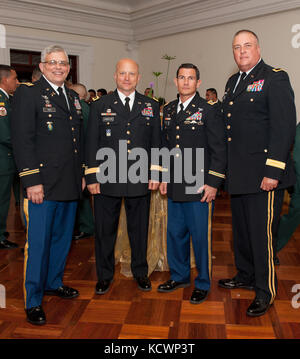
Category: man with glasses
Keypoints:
(260, 117)
(190, 122)
(46, 136)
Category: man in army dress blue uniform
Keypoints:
(128, 116)
(260, 118)
(46, 135)
(190, 122)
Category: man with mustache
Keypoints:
(46, 135)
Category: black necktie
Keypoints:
(241, 82)
(127, 108)
(181, 110)
(62, 97)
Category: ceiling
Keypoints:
(133, 20)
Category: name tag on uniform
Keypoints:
(49, 109)
(108, 119)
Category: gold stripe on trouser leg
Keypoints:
(26, 247)
(270, 245)
(209, 238)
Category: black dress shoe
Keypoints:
(171, 285)
(258, 307)
(36, 315)
(234, 284)
(5, 244)
(102, 286)
(198, 296)
(144, 283)
(82, 235)
(63, 292)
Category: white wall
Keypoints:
(105, 53)
(210, 50)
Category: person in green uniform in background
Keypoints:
(8, 85)
(289, 222)
(85, 219)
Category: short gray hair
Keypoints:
(246, 31)
(50, 49)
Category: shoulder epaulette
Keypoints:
(27, 83)
(166, 104)
(211, 102)
(155, 99)
(277, 70)
(96, 98)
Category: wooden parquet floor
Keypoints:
(127, 313)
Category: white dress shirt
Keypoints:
(247, 73)
(55, 87)
(131, 98)
(185, 103)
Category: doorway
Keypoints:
(24, 63)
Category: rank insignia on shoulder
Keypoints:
(277, 70)
(27, 83)
(211, 102)
(96, 98)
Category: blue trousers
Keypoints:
(186, 220)
(49, 229)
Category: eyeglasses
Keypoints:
(54, 63)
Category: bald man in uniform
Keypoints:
(134, 118)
